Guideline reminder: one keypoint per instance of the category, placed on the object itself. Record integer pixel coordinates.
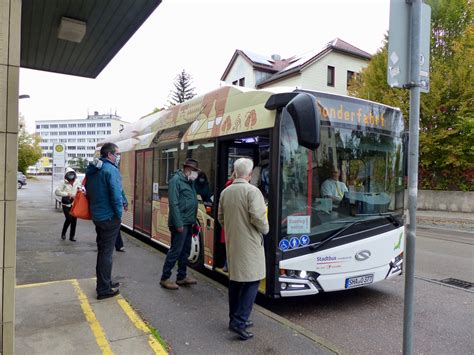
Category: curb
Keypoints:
(299, 329)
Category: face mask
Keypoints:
(193, 176)
(117, 159)
(70, 177)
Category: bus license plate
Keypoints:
(359, 280)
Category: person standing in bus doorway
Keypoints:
(242, 212)
(333, 188)
(183, 205)
(104, 190)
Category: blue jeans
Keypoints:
(241, 299)
(107, 232)
(119, 241)
(179, 251)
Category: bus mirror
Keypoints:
(277, 101)
(303, 110)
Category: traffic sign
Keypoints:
(399, 40)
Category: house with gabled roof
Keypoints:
(329, 69)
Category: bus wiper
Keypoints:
(338, 233)
(387, 215)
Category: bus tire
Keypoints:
(196, 256)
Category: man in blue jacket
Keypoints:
(104, 191)
(183, 206)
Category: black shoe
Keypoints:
(111, 293)
(63, 237)
(242, 333)
(72, 239)
(248, 324)
(116, 284)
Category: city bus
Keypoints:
(315, 243)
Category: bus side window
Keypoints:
(167, 165)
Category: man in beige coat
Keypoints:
(242, 213)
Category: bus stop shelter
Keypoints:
(77, 38)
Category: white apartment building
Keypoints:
(80, 136)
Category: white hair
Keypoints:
(243, 167)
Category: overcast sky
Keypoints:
(200, 36)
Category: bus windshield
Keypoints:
(354, 175)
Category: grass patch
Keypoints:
(157, 336)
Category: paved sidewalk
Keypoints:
(459, 221)
(64, 317)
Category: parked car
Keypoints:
(21, 179)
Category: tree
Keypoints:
(183, 90)
(29, 150)
(447, 111)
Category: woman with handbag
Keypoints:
(67, 191)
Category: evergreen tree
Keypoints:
(183, 89)
(447, 111)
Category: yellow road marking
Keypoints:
(43, 283)
(139, 324)
(94, 324)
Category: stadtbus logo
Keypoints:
(59, 148)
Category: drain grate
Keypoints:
(457, 283)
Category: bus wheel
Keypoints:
(196, 256)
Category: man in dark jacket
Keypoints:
(104, 191)
(183, 206)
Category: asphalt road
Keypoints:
(370, 319)
(358, 321)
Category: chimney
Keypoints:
(96, 113)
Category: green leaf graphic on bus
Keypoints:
(399, 243)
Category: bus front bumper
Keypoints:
(313, 283)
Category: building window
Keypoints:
(109, 132)
(71, 140)
(53, 126)
(38, 126)
(91, 133)
(45, 126)
(109, 124)
(71, 147)
(71, 133)
(242, 82)
(350, 75)
(235, 82)
(331, 73)
(81, 125)
(72, 125)
(91, 125)
(54, 133)
(63, 126)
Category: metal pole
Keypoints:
(415, 52)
